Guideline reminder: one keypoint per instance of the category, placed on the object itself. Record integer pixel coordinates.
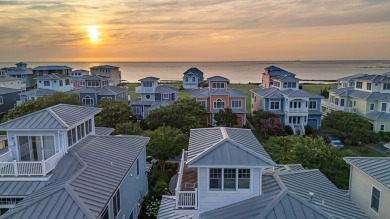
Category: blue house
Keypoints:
(153, 96)
(8, 98)
(192, 78)
(97, 88)
(47, 85)
(296, 108)
(21, 71)
(57, 165)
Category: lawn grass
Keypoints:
(365, 151)
(316, 88)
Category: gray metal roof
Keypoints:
(19, 71)
(165, 88)
(53, 77)
(348, 78)
(166, 209)
(52, 67)
(335, 202)
(217, 78)
(300, 93)
(342, 91)
(95, 77)
(376, 167)
(83, 181)
(203, 139)
(138, 101)
(264, 92)
(373, 78)
(273, 92)
(60, 116)
(228, 152)
(377, 116)
(6, 90)
(286, 78)
(8, 78)
(103, 131)
(20, 188)
(195, 71)
(150, 78)
(104, 66)
(38, 92)
(106, 90)
(204, 93)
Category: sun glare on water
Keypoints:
(93, 33)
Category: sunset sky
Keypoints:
(193, 30)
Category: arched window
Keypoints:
(219, 104)
(87, 100)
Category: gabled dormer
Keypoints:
(56, 82)
(96, 81)
(37, 141)
(286, 82)
(219, 163)
(217, 82)
(192, 77)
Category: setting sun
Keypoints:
(93, 33)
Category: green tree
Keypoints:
(312, 153)
(184, 114)
(226, 118)
(128, 128)
(113, 113)
(165, 142)
(271, 127)
(42, 103)
(261, 114)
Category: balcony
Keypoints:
(332, 106)
(186, 191)
(141, 90)
(296, 110)
(27, 168)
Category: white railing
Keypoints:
(141, 89)
(187, 199)
(6, 157)
(332, 106)
(180, 173)
(297, 110)
(303, 129)
(29, 168)
(293, 128)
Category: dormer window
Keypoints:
(386, 86)
(368, 86)
(289, 84)
(218, 85)
(147, 84)
(232, 179)
(359, 84)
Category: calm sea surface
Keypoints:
(237, 72)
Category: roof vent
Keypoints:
(311, 195)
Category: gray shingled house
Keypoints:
(226, 173)
(57, 164)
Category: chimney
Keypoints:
(311, 195)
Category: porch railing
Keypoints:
(141, 89)
(29, 168)
(185, 199)
(293, 128)
(333, 106)
(6, 157)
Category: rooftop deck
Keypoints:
(186, 189)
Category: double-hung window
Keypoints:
(229, 179)
(313, 104)
(236, 104)
(359, 84)
(368, 86)
(384, 107)
(375, 199)
(274, 105)
(218, 85)
(165, 96)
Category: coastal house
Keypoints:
(8, 98)
(47, 85)
(97, 88)
(370, 98)
(218, 97)
(226, 173)
(152, 97)
(348, 81)
(11, 82)
(20, 71)
(57, 165)
(369, 185)
(110, 71)
(192, 78)
(78, 78)
(296, 108)
(50, 69)
(270, 72)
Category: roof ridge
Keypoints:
(56, 117)
(224, 133)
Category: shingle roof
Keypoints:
(217, 78)
(51, 67)
(84, 180)
(60, 116)
(203, 139)
(165, 88)
(103, 131)
(150, 78)
(326, 195)
(6, 90)
(348, 78)
(53, 77)
(38, 92)
(377, 116)
(375, 167)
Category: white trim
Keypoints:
(274, 101)
(163, 96)
(379, 204)
(231, 104)
(17, 146)
(251, 183)
(217, 100)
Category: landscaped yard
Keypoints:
(316, 88)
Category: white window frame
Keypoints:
(219, 100)
(166, 96)
(311, 103)
(372, 106)
(136, 109)
(368, 86)
(383, 104)
(379, 203)
(36, 135)
(359, 84)
(380, 127)
(83, 101)
(236, 107)
(270, 105)
(237, 190)
(46, 83)
(218, 85)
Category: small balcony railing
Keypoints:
(29, 168)
(141, 89)
(296, 110)
(332, 106)
(185, 200)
